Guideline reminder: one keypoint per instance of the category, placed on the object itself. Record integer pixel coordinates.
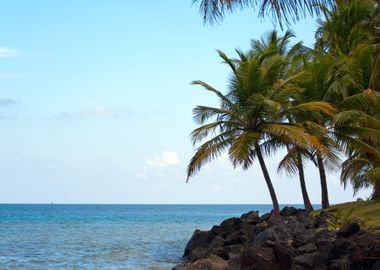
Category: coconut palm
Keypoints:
(293, 161)
(284, 11)
(318, 84)
(250, 114)
(350, 35)
(358, 130)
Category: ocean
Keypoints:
(57, 236)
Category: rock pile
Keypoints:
(298, 240)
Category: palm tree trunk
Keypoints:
(322, 175)
(276, 207)
(305, 196)
(376, 191)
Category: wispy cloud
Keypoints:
(8, 102)
(163, 165)
(166, 158)
(98, 111)
(8, 52)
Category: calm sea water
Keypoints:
(103, 236)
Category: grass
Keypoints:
(367, 211)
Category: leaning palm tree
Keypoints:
(284, 11)
(293, 163)
(250, 113)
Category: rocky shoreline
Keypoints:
(298, 240)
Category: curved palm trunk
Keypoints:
(305, 196)
(322, 175)
(276, 207)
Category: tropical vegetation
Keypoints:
(320, 104)
(282, 11)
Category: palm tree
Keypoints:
(350, 35)
(293, 161)
(284, 11)
(318, 85)
(250, 114)
(358, 130)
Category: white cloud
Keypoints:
(7, 52)
(165, 165)
(99, 111)
(166, 158)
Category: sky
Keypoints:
(96, 104)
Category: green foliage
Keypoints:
(367, 211)
(284, 11)
(320, 104)
(338, 220)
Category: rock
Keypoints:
(251, 217)
(290, 211)
(263, 237)
(296, 241)
(303, 238)
(308, 248)
(199, 239)
(342, 246)
(305, 260)
(235, 252)
(265, 217)
(218, 241)
(285, 255)
(236, 237)
(257, 258)
(229, 225)
(221, 252)
(211, 263)
(322, 218)
(324, 237)
(261, 227)
(197, 253)
(349, 229)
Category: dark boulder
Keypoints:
(349, 229)
(296, 241)
(200, 239)
(252, 217)
(257, 258)
(304, 261)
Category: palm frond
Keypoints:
(314, 106)
(283, 11)
(202, 114)
(202, 132)
(207, 152)
(241, 147)
(212, 89)
(289, 162)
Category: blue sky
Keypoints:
(96, 104)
